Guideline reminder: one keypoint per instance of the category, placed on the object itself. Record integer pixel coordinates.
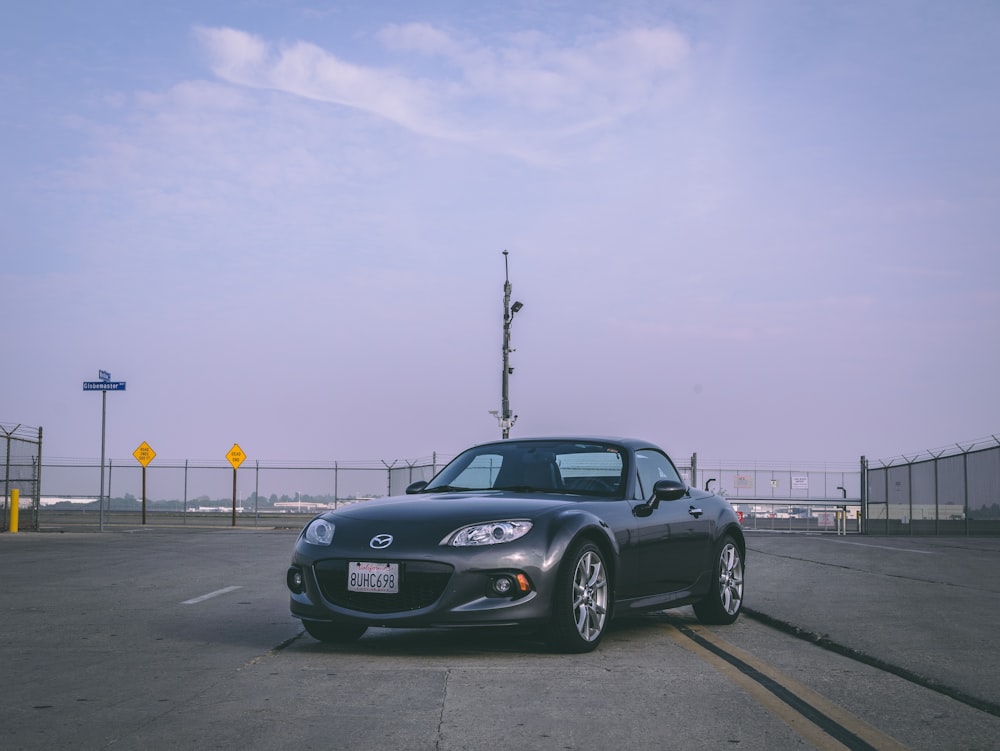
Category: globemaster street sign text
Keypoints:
(104, 385)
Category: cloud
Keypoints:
(306, 70)
(512, 97)
(533, 72)
(425, 39)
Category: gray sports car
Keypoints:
(555, 535)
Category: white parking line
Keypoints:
(880, 547)
(210, 595)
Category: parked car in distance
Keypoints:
(552, 535)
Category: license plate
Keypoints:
(363, 576)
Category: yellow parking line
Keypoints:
(817, 720)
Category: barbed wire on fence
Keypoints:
(20, 432)
(954, 449)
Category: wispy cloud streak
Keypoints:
(510, 98)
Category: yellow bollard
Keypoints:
(15, 498)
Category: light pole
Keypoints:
(504, 416)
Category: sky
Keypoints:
(751, 230)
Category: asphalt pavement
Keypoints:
(925, 608)
(181, 638)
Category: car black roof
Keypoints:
(630, 443)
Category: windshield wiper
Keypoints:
(444, 489)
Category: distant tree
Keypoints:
(987, 512)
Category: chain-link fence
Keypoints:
(22, 472)
(787, 497)
(767, 496)
(178, 491)
(949, 491)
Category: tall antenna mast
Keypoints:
(504, 416)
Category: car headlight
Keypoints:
(319, 532)
(488, 533)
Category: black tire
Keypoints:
(724, 601)
(334, 633)
(581, 603)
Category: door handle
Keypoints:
(695, 512)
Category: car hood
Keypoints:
(454, 506)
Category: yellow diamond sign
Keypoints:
(144, 454)
(236, 456)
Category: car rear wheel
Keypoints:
(581, 604)
(334, 633)
(724, 601)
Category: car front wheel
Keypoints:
(581, 605)
(334, 633)
(724, 600)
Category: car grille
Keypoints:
(421, 584)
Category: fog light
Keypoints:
(296, 582)
(502, 585)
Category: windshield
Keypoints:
(581, 468)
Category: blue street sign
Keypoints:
(104, 375)
(104, 385)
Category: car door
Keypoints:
(597, 472)
(631, 565)
(675, 538)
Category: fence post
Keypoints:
(965, 488)
(36, 505)
(909, 492)
(388, 474)
(937, 501)
(886, 477)
(863, 509)
(6, 485)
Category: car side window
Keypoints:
(653, 466)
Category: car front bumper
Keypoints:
(456, 590)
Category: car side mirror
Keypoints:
(669, 490)
(416, 487)
(663, 490)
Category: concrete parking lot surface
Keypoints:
(180, 638)
(928, 607)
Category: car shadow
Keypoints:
(445, 641)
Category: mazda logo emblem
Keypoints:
(381, 541)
